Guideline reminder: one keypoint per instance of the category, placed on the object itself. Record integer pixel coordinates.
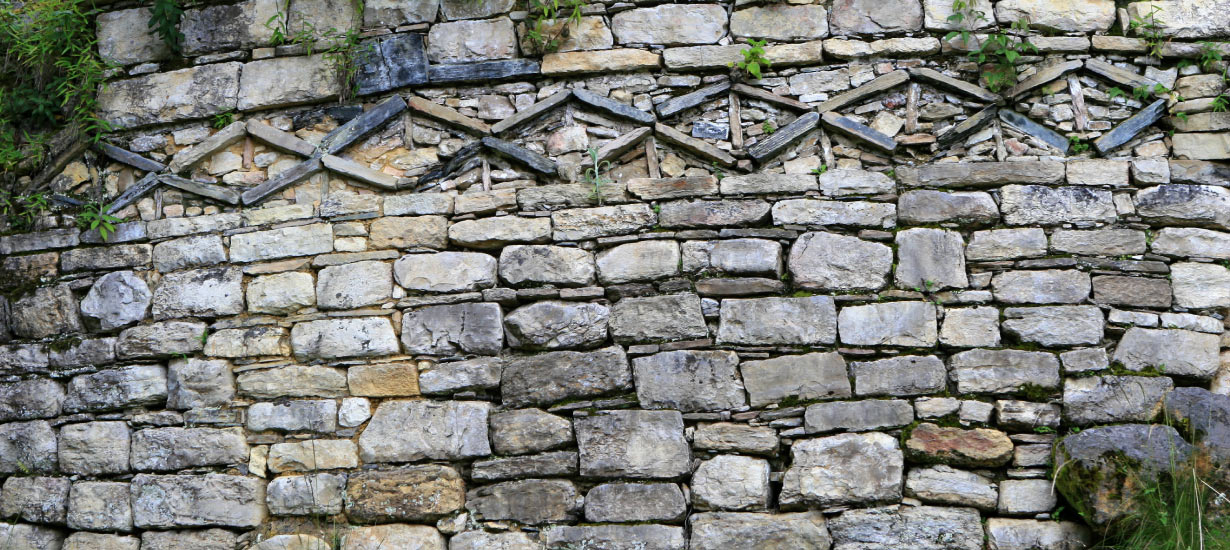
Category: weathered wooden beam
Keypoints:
(531, 112)
(130, 158)
(878, 86)
(860, 131)
(686, 101)
(534, 161)
(134, 192)
(1024, 124)
(354, 170)
(771, 145)
(292, 176)
(752, 92)
(693, 145)
(622, 144)
(359, 126)
(1129, 128)
(614, 107)
(941, 80)
(216, 192)
(967, 127)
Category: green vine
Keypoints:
(164, 21)
(51, 72)
(341, 48)
(1002, 50)
(94, 216)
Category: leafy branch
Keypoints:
(1150, 29)
(164, 21)
(544, 29)
(593, 176)
(1002, 51)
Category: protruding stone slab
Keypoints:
(613, 107)
(941, 80)
(879, 85)
(531, 112)
(773, 144)
(1042, 77)
(220, 140)
(1117, 75)
(1024, 124)
(859, 131)
(968, 126)
(354, 170)
(216, 192)
(1129, 128)
(130, 158)
(686, 101)
(294, 175)
(693, 145)
(483, 70)
(279, 139)
(534, 161)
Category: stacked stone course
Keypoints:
(855, 304)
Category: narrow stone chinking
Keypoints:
(621, 295)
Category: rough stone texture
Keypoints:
(557, 325)
(780, 22)
(99, 506)
(805, 377)
(729, 482)
(770, 321)
(522, 431)
(689, 381)
(446, 271)
(922, 527)
(550, 377)
(640, 261)
(197, 501)
(408, 493)
(209, 292)
(827, 261)
(463, 41)
(520, 264)
(1041, 287)
(94, 448)
(979, 447)
(670, 24)
(116, 300)
(857, 416)
(1095, 15)
(607, 450)
(117, 388)
(657, 319)
(194, 92)
(952, 487)
(1099, 399)
(745, 531)
(413, 430)
(870, 17)
(1176, 352)
(634, 502)
(353, 285)
(1055, 325)
(824, 471)
(281, 293)
(284, 81)
(931, 259)
(339, 338)
(908, 324)
(1003, 371)
(1200, 286)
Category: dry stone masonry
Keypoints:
(859, 303)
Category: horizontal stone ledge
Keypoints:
(860, 131)
(982, 174)
(486, 70)
(354, 170)
(582, 62)
(216, 192)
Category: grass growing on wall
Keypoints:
(1178, 511)
(50, 73)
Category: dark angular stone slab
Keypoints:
(359, 126)
(295, 174)
(1129, 128)
(532, 112)
(769, 97)
(459, 163)
(613, 107)
(130, 158)
(968, 126)
(486, 70)
(1200, 172)
(622, 144)
(448, 115)
(215, 192)
(279, 139)
(534, 161)
(693, 145)
(1117, 75)
(134, 192)
(773, 144)
(392, 62)
(879, 85)
(859, 131)
(691, 99)
(1024, 124)
(940, 80)
(1042, 77)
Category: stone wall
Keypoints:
(852, 304)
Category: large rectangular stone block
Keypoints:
(211, 500)
(195, 92)
(284, 81)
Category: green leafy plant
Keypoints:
(1221, 104)
(717, 170)
(1002, 50)
(593, 175)
(1144, 93)
(1114, 92)
(965, 17)
(754, 60)
(768, 127)
(22, 210)
(51, 72)
(341, 48)
(164, 21)
(1210, 54)
(1076, 145)
(222, 120)
(1149, 28)
(94, 216)
(547, 25)
(821, 170)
